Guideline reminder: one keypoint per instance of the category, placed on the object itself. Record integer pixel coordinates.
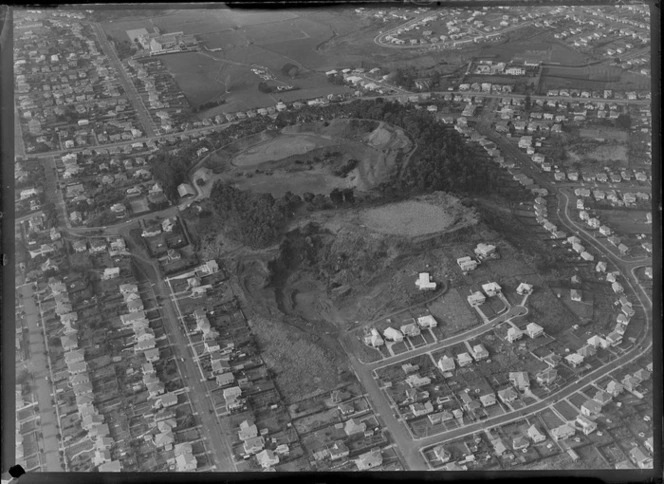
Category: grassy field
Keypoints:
(300, 365)
(453, 313)
(626, 221)
(279, 148)
(410, 218)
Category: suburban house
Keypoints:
(590, 408)
(464, 359)
(338, 450)
(446, 363)
(484, 250)
(476, 299)
(442, 454)
(574, 359)
(420, 409)
(373, 338)
(467, 264)
(614, 388)
(547, 376)
(369, 460)
(640, 458)
(480, 352)
(514, 334)
(410, 329)
(491, 289)
(427, 321)
(267, 458)
(520, 380)
(424, 282)
(534, 330)
(392, 334)
(507, 395)
(254, 445)
(535, 435)
(563, 432)
(352, 427)
(524, 289)
(488, 399)
(586, 425)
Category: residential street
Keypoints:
(129, 88)
(198, 394)
(38, 366)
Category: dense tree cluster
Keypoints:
(290, 70)
(255, 219)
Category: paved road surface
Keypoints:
(127, 84)
(199, 393)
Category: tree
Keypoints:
(336, 196)
(200, 182)
(290, 70)
(349, 196)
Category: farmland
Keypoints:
(249, 39)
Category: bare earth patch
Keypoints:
(419, 217)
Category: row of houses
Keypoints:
(411, 329)
(91, 421)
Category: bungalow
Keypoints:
(520, 442)
(338, 450)
(587, 351)
(484, 250)
(630, 383)
(547, 376)
(597, 342)
(576, 295)
(586, 425)
(110, 273)
(393, 334)
(369, 460)
(151, 354)
(442, 454)
(617, 288)
(524, 289)
(267, 459)
(415, 380)
(476, 299)
(420, 409)
(352, 427)
(535, 435)
(563, 432)
(373, 339)
(614, 338)
(602, 397)
(410, 330)
(480, 352)
(186, 190)
(514, 334)
(427, 321)
(446, 363)
(467, 264)
(253, 445)
(507, 395)
(464, 359)
(520, 379)
(491, 289)
(574, 359)
(640, 459)
(534, 330)
(590, 408)
(499, 447)
(601, 266)
(424, 282)
(488, 399)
